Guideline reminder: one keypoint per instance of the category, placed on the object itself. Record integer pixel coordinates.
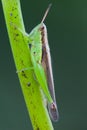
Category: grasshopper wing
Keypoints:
(46, 63)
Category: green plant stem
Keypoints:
(30, 88)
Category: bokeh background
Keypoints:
(67, 31)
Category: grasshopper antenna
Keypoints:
(49, 6)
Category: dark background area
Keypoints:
(67, 31)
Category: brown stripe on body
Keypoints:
(46, 61)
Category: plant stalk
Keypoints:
(31, 90)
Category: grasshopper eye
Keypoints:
(42, 28)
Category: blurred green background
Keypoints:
(67, 31)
